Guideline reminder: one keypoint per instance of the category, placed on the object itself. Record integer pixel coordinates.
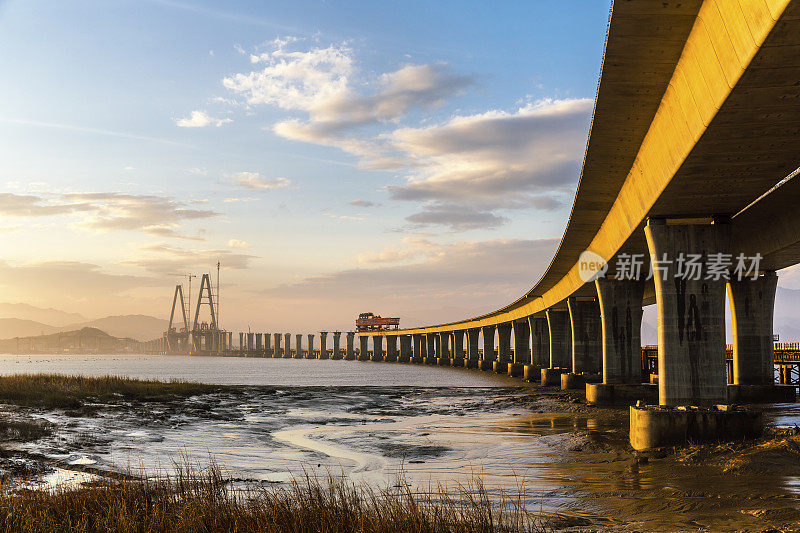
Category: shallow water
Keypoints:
(252, 371)
(430, 425)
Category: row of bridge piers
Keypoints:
(592, 340)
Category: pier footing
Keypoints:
(457, 361)
(516, 370)
(532, 373)
(499, 367)
(578, 381)
(656, 427)
(761, 393)
(621, 393)
(551, 377)
(485, 365)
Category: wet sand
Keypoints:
(568, 459)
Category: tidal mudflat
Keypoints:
(561, 456)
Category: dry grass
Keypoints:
(196, 500)
(51, 391)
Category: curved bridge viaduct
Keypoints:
(692, 152)
(694, 137)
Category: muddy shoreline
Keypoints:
(571, 459)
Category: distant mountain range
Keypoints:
(54, 317)
(23, 320)
(80, 341)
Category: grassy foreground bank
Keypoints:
(198, 501)
(54, 391)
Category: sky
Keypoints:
(411, 159)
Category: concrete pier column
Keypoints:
(522, 348)
(540, 341)
(287, 349)
(560, 334)
(522, 342)
(391, 348)
(444, 348)
(310, 353)
(241, 340)
(351, 351)
(323, 344)
(259, 343)
(752, 303)
(503, 348)
(363, 355)
(230, 340)
(277, 338)
(487, 362)
(691, 313)
(621, 320)
(472, 348)
(587, 349)
(337, 350)
(430, 348)
(419, 343)
(298, 346)
(444, 341)
(405, 348)
(377, 348)
(457, 359)
(250, 342)
(267, 345)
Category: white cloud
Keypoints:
(345, 217)
(235, 200)
(254, 180)
(456, 217)
(412, 247)
(322, 83)
(108, 211)
(497, 155)
(420, 272)
(236, 243)
(296, 80)
(463, 171)
(362, 203)
(200, 119)
(165, 259)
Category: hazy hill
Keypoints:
(52, 317)
(19, 327)
(139, 327)
(84, 340)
